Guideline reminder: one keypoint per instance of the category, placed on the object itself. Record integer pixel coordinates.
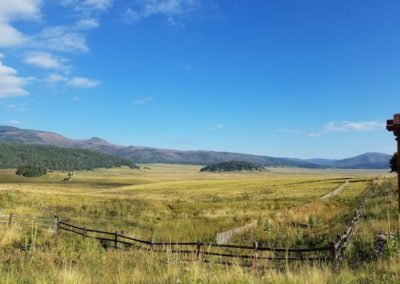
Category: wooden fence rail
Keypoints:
(341, 243)
(198, 249)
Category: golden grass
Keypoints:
(175, 202)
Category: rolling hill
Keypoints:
(139, 154)
(364, 161)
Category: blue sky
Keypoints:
(282, 78)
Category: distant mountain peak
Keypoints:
(98, 140)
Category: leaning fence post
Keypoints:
(10, 220)
(116, 239)
(255, 246)
(56, 224)
(84, 232)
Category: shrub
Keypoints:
(31, 171)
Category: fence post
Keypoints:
(255, 246)
(84, 233)
(198, 249)
(334, 254)
(56, 224)
(10, 220)
(116, 239)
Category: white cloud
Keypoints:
(61, 38)
(143, 101)
(78, 82)
(81, 82)
(88, 6)
(48, 41)
(10, 36)
(11, 85)
(12, 10)
(87, 24)
(25, 9)
(46, 60)
(55, 78)
(347, 126)
(13, 122)
(167, 8)
(218, 126)
(98, 4)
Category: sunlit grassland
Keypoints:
(177, 202)
(168, 202)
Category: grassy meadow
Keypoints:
(178, 203)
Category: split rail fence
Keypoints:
(334, 252)
(199, 250)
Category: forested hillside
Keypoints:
(55, 158)
(231, 166)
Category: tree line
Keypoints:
(56, 158)
(231, 166)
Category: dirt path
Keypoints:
(224, 237)
(336, 191)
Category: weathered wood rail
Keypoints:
(341, 243)
(199, 249)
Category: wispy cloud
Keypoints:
(82, 82)
(88, 6)
(55, 78)
(47, 61)
(348, 126)
(170, 9)
(13, 122)
(338, 126)
(218, 126)
(11, 85)
(143, 101)
(78, 82)
(87, 24)
(60, 38)
(18, 107)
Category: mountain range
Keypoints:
(139, 154)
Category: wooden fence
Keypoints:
(200, 250)
(334, 252)
(341, 243)
(10, 219)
